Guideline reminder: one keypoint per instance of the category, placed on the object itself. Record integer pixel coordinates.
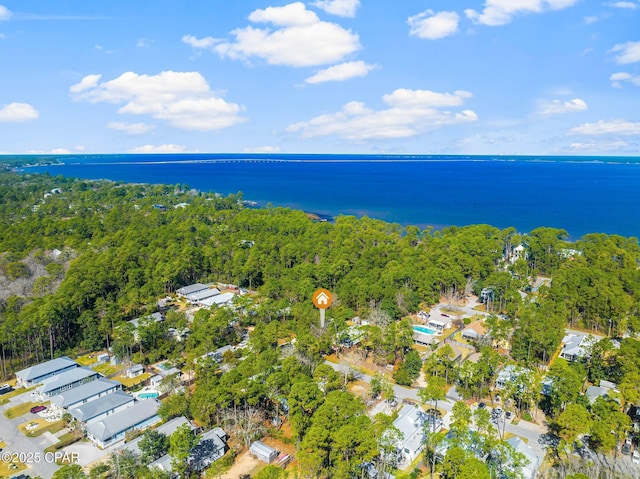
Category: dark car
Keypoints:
(626, 448)
(444, 315)
(5, 388)
(37, 409)
(482, 405)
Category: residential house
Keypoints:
(223, 299)
(508, 375)
(83, 394)
(263, 452)
(191, 289)
(38, 373)
(577, 345)
(102, 407)
(195, 298)
(135, 371)
(439, 324)
(530, 469)
(474, 332)
(167, 429)
(113, 428)
(410, 423)
(67, 380)
(151, 318)
(605, 390)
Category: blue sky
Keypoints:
(539, 77)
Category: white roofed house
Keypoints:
(113, 428)
(223, 299)
(410, 422)
(439, 324)
(263, 452)
(143, 320)
(38, 373)
(135, 371)
(200, 295)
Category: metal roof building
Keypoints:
(263, 452)
(38, 373)
(192, 288)
(85, 393)
(200, 295)
(67, 380)
(113, 428)
(102, 407)
(167, 429)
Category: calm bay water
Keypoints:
(580, 195)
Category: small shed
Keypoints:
(135, 370)
(263, 452)
(102, 358)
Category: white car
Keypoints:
(635, 457)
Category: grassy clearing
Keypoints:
(10, 469)
(20, 409)
(107, 369)
(131, 382)
(43, 426)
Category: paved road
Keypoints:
(31, 447)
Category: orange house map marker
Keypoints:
(322, 299)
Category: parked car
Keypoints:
(626, 448)
(508, 415)
(37, 409)
(5, 388)
(482, 405)
(635, 457)
(497, 412)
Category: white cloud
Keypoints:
(341, 8)
(206, 42)
(620, 127)
(17, 112)
(300, 39)
(631, 5)
(501, 12)
(169, 148)
(433, 26)
(627, 52)
(60, 151)
(619, 77)
(144, 43)
(590, 19)
(598, 146)
(262, 149)
(88, 82)
(557, 107)
(410, 112)
(131, 128)
(341, 72)
(182, 99)
(5, 13)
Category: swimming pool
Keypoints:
(422, 329)
(150, 395)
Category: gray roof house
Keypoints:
(114, 428)
(211, 447)
(102, 407)
(263, 452)
(509, 374)
(200, 295)
(223, 299)
(167, 429)
(577, 345)
(154, 317)
(67, 380)
(192, 288)
(409, 422)
(85, 393)
(531, 468)
(38, 373)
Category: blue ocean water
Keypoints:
(580, 195)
